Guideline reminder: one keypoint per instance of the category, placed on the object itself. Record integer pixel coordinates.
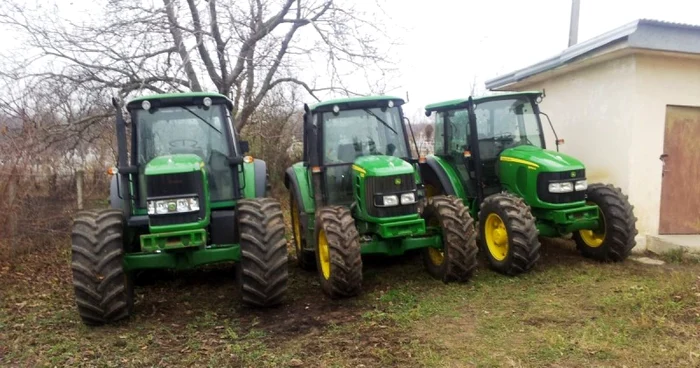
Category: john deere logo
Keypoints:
(573, 174)
(172, 206)
(397, 181)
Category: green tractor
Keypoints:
(358, 191)
(491, 153)
(184, 196)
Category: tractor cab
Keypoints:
(356, 136)
(503, 122)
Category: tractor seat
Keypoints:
(347, 153)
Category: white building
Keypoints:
(627, 104)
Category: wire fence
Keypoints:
(36, 209)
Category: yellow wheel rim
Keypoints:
(496, 236)
(324, 254)
(594, 238)
(436, 256)
(296, 226)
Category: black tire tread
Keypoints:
(102, 292)
(263, 265)
(344, 247)
(522, 232)
(459, 238)
(620, 223)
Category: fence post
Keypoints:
(11, 194)
(79, 187)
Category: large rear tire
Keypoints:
(508, 234)
(338, 257)
(305, 258)
(104, 291)
(457, 260)
(262, 270)
(614, 240)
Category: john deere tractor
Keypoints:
(491, 153)
(358, 191)
(183, 196)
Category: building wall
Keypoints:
(612, 117)
(661, 80)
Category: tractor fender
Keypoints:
(295, 180)
(114, 189)
(260, 173)
(432, 166)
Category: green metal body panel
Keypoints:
(182, 259)
(461, 102)
(176, 95)
(353, 99)
(519, 167)
(453, 177)
(173, 240)
(399, 246)
(181, 163)
(248, 178)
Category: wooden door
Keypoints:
(680, 189)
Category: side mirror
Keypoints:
(245, 147)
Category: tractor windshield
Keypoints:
(189, 129)
(506, 123)
(354, 133)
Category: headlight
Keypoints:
(408, 198)
(581, 185)
(390, 200)
(175, 205)
(561, 187)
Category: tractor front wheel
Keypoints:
(104, 291)
(614, 238)
(508, 234)
(262, 270)
(338, 257)
(305, 257)
(456, 261)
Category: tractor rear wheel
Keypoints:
(456, 261)
(508, 234)
(305, 258)
(338, 257)
(262, 270)
(614, 240)
(104, 291)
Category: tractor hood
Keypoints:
(380, 165)
(170, 164)
(541, 159)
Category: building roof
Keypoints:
(462, 102)
(641, 34)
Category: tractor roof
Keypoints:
(186, 97)
(349, 101)
(462, 102)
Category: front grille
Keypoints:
(174, 185)
(543, 180)
(387, 185)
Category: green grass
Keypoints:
(567, 312)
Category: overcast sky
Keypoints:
(448, 43)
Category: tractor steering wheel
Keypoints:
(186, 143)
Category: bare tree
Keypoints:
(241, 49)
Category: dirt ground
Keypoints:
(567, 312)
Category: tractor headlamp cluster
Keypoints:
(173, 205)
(567, 187)
(391, 200)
